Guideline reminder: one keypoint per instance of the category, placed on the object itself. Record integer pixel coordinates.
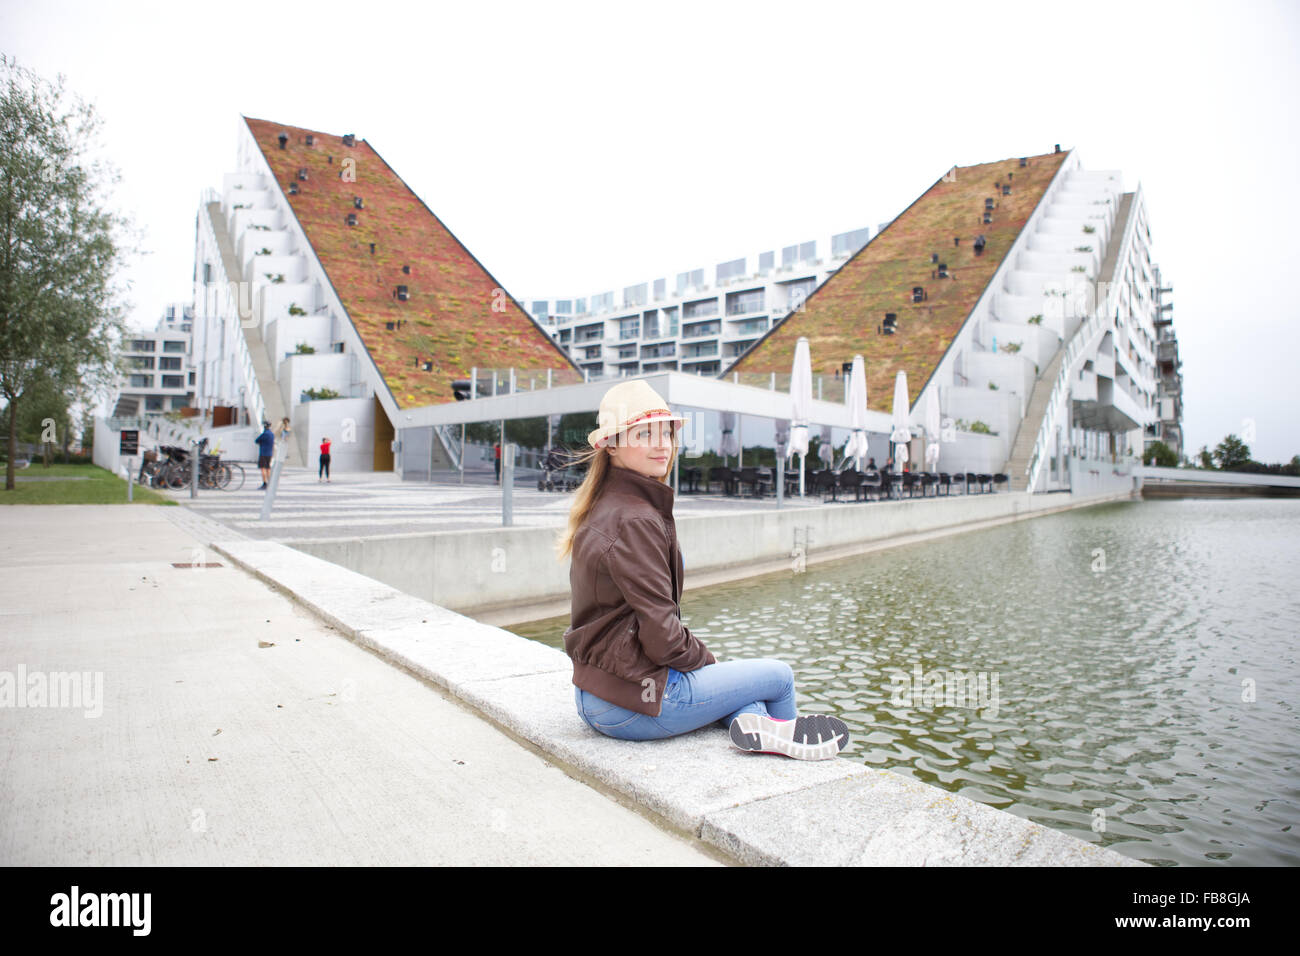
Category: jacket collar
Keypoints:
(624, 481)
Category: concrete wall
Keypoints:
(481, 570)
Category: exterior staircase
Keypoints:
(1022, 449)
(272, 400)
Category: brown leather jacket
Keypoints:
(626, 627)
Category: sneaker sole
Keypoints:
(815, 737)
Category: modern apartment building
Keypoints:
(1022, 294)
(1168, 427)
(328, 293)
(161, 377)
(699, 321)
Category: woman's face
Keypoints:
(645, 449)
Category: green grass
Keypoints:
(99, 488)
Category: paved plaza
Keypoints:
(381, 504)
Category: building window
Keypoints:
(141, 361)
(142, 345)
(798, 292)
(603, 302)
(629, 328)
(173, 381)
(739, 303)
(539, 311)
(661, 288)
(153, 403)
(789, 256)
(702, 329)
(171, 346)
(700, 308)
(564, 307)
(180, 401)
(169, 364)
(766, 262)
(808, 251)
(670, 321)
(191, 378)
(142, 381)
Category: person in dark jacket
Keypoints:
(638, 671)
(265, 452)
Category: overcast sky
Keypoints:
(576, 148)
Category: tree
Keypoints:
(1231, 453)
(61, 251)
(1164, 455)
(1206, 459)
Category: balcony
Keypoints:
(701, 331)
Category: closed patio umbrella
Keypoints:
(826, 451)
(856, 446)
(932, 426)
(728, 443)
(800, 405)
(902, 433)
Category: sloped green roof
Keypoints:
(456, 315)
(841, 317)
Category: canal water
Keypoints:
(1126, 673)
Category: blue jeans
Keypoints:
(695, 699)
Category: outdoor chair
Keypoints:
(822, 482)
(871, 484)
(850, 480)
(755, 479)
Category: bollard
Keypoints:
(507, 483)
(269, 500)
(194, 469)
(780, 479)
(130, 483)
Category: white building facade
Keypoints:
(700, 321)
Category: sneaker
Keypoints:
(262, 486)
(816, 737)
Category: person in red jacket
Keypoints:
(324, 460)
(638, 671)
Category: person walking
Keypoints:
(324, 460)
(497, 449)
(638, 671)
(265, 452)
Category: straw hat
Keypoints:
(627, 404)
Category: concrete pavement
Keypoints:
(212, 748)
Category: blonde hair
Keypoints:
(598, 464)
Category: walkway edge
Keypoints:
(753, 807)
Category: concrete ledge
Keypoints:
(754, 807)
(881, 818)
(511, 574)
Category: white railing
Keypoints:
(1082, 339)
(450, 444)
